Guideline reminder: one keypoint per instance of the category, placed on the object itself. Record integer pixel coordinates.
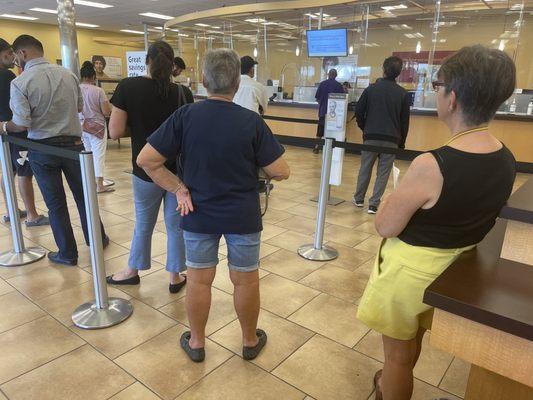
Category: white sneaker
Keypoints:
(372, 209)
(358, 203)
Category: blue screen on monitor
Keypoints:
(327, 42)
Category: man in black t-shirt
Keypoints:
(19, 154)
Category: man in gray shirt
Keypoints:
(45, 101)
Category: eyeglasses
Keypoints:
(437, 84)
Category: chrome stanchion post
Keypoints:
(20, 255)
(318, 251)
(104, 311)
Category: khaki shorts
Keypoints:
(392, 302)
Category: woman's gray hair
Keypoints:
(222, 71)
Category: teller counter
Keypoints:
(426, 131)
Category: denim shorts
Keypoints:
(201, 250)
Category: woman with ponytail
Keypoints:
(96, 108)
(143, 103)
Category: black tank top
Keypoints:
(475, 188)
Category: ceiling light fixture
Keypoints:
(256, 52)
(16, 16)
(390, 8)
(297, 51)
(132, 31)
(44, 10)
(202, 25)
(255, 20)
(158, 16)
(92, 4)
(351, 49)
(85, 25)
(418, 47)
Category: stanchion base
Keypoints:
(13, 259)
(326, 253)
(88, 316)
(332, 201)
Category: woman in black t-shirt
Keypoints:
(142, 104)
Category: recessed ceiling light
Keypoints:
(83, 24)
(202, 25)
(402, 27)
(390, 8)
(255, 20)
(132, 31)
(215, 27)
(92, 4)
(44, 10)
(158, 16)
(16, 16)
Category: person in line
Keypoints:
(445, 204)
(96, 108)
(99, 65)
(251, 94)
(217, 195)
(46, 100)
(19, 154)
(382, 113)
(143, 103)
(179, 67)
(326, 87)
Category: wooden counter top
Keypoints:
(520, 205)
(483, 288)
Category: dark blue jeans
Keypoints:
(47, 170)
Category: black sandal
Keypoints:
(249, 353)
(377, 389)
(176, 287)
(196, 355)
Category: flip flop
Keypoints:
(41, 221)
(22, 214)
(196, 355)
(249, 353)
(106, 190)
(377, 389)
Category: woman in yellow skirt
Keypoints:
(445, 204)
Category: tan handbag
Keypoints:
(94, 128)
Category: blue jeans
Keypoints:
(47, 170)
(147, 197)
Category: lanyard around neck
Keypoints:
(465, 133)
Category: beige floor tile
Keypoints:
(222, 311)
(153, 289)
(120, 207)
(347, 220)
(456, 377)
(269, 231)
(2, 397)
(350, 258)
(281, 204)
(371, 345)
(135, 392)
(370, 245)
(290, 241)
(303, 225)
(237, 379)
(337, 282)
(47, 281)
(120, 233)
(5, 287)
(114, 250)
(283, 296)
(307, 210)
(289, 265)
(273, 216)
(144, 324)
(368, 227)
(15, 310)
(424, 391)
(83, 374)
(346, 236)
(48, 242)
(332, 318)
(114, 265)
(326, 370)
(162, 366)
(33, 344)
(290, 194)
(284, 338)
(42, 264)
(61, 305)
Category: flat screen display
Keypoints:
(327, 42)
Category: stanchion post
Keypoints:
(318, 251)
(104, 311)
(20, 255)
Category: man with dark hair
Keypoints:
(251, 94)
(19, 154)
(99, 66)
(382, 113)
(45, 101)
(179, 67)
(326, 87)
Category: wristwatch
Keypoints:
(4, 127)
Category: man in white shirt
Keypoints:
(251, 94)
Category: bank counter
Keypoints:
(484, 306)
(426, 131)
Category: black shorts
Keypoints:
(19, 159)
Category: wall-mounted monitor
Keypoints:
(327, 43)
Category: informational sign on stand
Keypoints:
(136, 63)
(336, 128)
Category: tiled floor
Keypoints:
(317, 349)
